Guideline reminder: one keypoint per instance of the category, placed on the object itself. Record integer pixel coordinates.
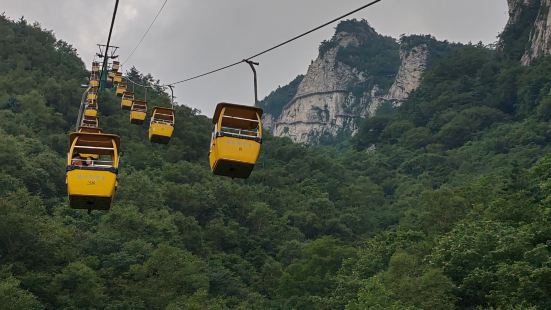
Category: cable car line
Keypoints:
(104, 67)
(136, 83)
(93, 157)
(279, 45)
(145, 33)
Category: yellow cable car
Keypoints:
(92, 94)
(110, 78)
(91, 108)
(95, 66)
(138, 112)
(90, 121)
(236, 140)
(127, 100)
(94, 80)
(121, 89)
(161, 125)
(116, 66)
(91, 183)
(118, 78)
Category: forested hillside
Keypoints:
(444, 203)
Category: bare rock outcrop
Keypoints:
(325, 105)
(414, 64)
(528, 30)
(320, 106)
(540, 36)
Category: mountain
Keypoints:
(527, 35)
(357, 72)
(440, 202)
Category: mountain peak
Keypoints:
(357, 27)
(357, 72)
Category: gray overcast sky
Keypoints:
(194, 36)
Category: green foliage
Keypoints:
(78, 286)
(438, 50)
(13, 297)
(311, 272)
(326, 46)
(173, 272)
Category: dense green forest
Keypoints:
(444, 203)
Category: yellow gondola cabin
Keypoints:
(116, 66)
(118, 78)
(121, 89)
(91, 108)
(110, 77)
(94, 80)
(236, 140)
(90, 121)
(95, 66)
(161, 125)
(138, 112)
(92, 94)
(127, 100)
(91, 182)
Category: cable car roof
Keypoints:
(95, 140)
(163, 109)
(238, 110)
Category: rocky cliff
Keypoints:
(356, 73)
(413, 65)
(321, 106)
(540, 36)
(527, 34)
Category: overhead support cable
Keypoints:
(279, 45)
(145, 33)
(139, 84)
(103, 79)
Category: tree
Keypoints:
(312, 273)
(78, 286)
(168, 274)
(13, 297)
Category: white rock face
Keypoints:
(539, 42)
(408, 79)
(540, 36)
(324, 106)
(310, 118)
(326, 74)
(320, 105)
